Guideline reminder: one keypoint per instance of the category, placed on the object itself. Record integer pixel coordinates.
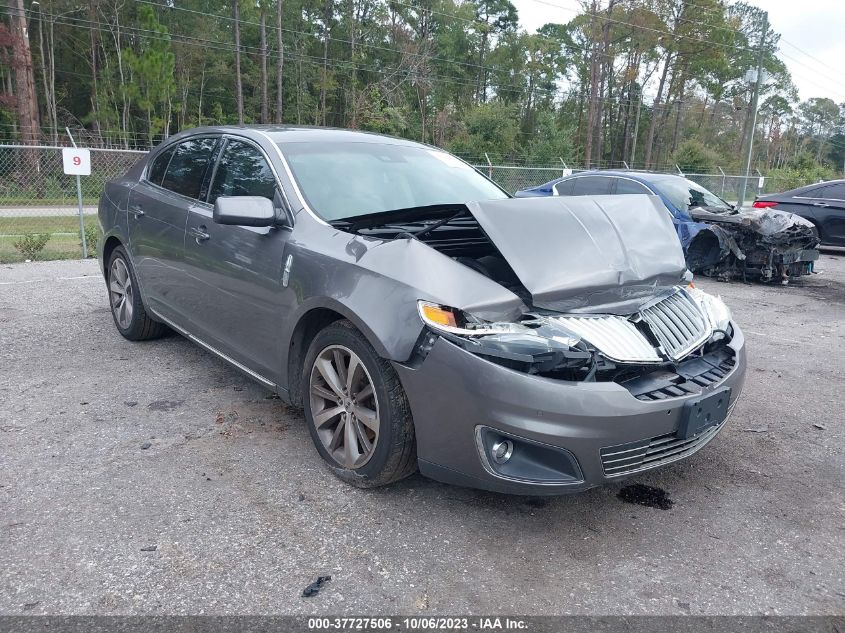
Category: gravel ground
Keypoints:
(150, 478)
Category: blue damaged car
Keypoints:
(719, 240)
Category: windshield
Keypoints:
(343, 180)
(685, 194)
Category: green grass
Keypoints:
(25, 200)
(64, 236)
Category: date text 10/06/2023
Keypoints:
(479, 623)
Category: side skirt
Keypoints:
(283, 393)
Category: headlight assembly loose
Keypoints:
(455, 321)
(717, 312)
(534, 346)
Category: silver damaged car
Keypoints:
(420, 316)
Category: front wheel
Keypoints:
(357, 412)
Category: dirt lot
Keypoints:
(152, 478)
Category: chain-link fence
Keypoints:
(512, 178)
(39, 218)
(39, 214)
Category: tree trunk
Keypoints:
(353, 73)
(328, 10)
(649, 143)
(239, 94)
(280, 62)
(95, 97)
(265, 105)
(594, 88)
(27, 105)
(636, 129)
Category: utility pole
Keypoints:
(754, 101)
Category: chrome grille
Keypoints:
(629, 458)
(615, 336)
(677, 323)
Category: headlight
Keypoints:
(458, 322)
(717, 312)
(534, 345)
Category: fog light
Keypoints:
(502, 451)
(520, 459)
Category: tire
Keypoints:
(345, 417)
(127, 309)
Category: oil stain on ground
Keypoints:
(643, 495)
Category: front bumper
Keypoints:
(454, 395)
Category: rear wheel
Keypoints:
(130, 318)
(357, 412)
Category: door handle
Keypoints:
(136, 210)
(200, 232)
(821, 204)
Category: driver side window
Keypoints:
(242, 171)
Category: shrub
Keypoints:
(693, 156)
(92, 239)
(30, 244)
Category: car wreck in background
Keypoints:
(718, 239)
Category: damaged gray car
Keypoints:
(719, 240)
(420, 316)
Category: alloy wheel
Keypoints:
(344, 408)
(121, 293)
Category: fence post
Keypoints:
(722, 193)
(626, 165)
(679, 169)
(79, 199)
(489, 167)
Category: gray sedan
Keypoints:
(420, 316)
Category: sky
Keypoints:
(812, 41)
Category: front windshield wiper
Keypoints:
(440, 214)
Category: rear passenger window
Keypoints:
(564, 188)
(242, 171)
(187, 167)
(591, 186)
(156, 171)
(831, 192)
(623, 185)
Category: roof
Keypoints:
(644, 176)
(301, 134)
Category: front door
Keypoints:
(235, 290)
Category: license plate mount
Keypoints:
(699, 415)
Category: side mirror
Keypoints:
(244, 211)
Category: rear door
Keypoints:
(158, 211)
(237, 301)
(827, 204)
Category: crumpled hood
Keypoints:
(578, 253)
(771, 224)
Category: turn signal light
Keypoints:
(764, 204)
(439, 315)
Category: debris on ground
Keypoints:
(314, 588)
(149, 548)
(648, 496)
(164, 405)
(819, 426)
(758, 429)
(145, 446)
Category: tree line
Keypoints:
(647, 83)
